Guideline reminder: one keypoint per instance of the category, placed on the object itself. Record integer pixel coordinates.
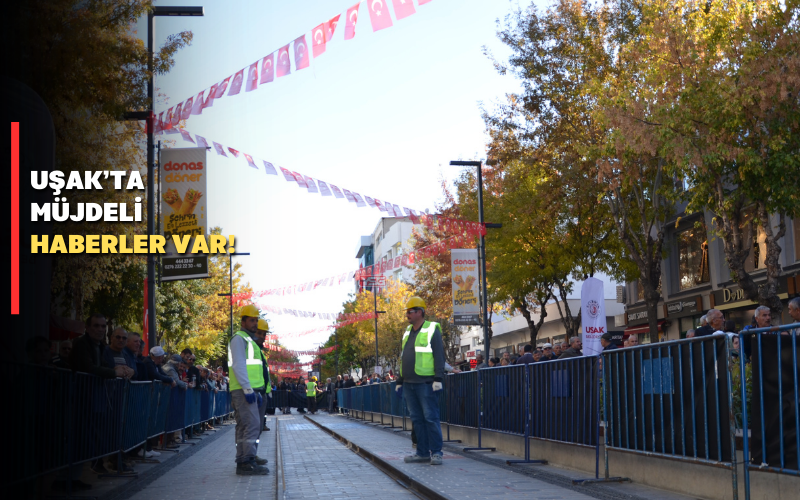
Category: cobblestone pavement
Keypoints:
(318, 466)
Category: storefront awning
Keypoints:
(642, 328)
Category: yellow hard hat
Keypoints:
(415, 302)
(263, 325)
(314, 379)
(249, 311)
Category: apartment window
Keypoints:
(640, 289)
(692, 258)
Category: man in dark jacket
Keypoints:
(716, 321)
(87, 351)
(116, 354)
(574, 349)
(527, 357)
(607, 342)
(348, 382)
(151, 367)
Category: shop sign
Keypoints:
(683, 307)
(637, 315)
(733, 296)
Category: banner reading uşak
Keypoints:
(464, 270)
(593, 316)
(182, 184)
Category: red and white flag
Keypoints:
(287, 174)
(300, 53)
(323, 188)
(186, 136)
(236, 86)
(250, 161)
(312, 187)
(352, 19)
(403, 8)
(283, 66)
(252, 78)
(167, 123)
(423, 2)
(176, 116)
(379, 14)
(268, 69)
(197, 109)
(201, 141)
(359, 201)
(379, 205)
(212, 94)
(318, 40)
(330, 28)
(370, 201)
(234, 152)
(300, 180)
(222, 87)
(270, 168)
(349, 196)
(220, 151)
(337, 192)
(187, 108)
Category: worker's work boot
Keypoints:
(251, 469)
(261, 461)
(417, 459)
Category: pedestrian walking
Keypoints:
(247, 376)
(421, 376)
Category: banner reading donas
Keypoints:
(464, 269)
(593, 316)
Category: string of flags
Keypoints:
(278, 63)
(307, 314)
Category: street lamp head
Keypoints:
(178, 11)
(463, 163)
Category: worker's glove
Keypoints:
(437, 386)
(269, 395)
(260, 399)
(399, 391)
(250, 396)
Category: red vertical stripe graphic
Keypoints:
(14, 217)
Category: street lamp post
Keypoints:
(151, 259)
(230, 294)
(481, 252)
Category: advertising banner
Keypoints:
(464, 269)
(182, 185)
(593, 316)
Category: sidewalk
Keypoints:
(481, 475)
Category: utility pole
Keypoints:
(230, 285)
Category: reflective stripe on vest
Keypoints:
(255, 369)
(423, 360)
(311, 389)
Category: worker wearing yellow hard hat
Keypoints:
(311, 395)
(266, 392)
(246, 372)
(421, 376)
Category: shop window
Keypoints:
(640, 289)
(757, 238)
(692, 258)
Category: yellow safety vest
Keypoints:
(423, 361)
(255, 369)
(311, 389)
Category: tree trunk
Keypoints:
(533, 327)
(571, 323)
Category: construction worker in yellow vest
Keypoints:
(421, 376)
(311, 395)
(266, 392)
(246, 378)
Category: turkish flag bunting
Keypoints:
(287, 174)
(323, 188)
(300, 181)
(359, 202)
(330, 27)
(312, 187)
(270, 168)
(352, 19)
(397, 212)
(222, 87)
(212, 94)
(337, 192)
(423, 2)
(234, 152)
(186, 136)
(370, 201)
(300, 53)
(250, 161)
(167, 124)
(318, 40)
(379, 15)
(197, 109)
(379, 205)
(187, 108)
(219, 149)
(176, 116)
(236, 86)
(349, 196)
(283, 65)
(252, 79)
(403, 8)
(268, 69)
(201, 141)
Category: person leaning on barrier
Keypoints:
(715, 322)
(547, 352)
(421, 376)
(556, 350)
(115, 354)
(132, 349)
(246, 377)
(87, 351)
(173, 368)
(607, 341)
(690, 333)
(574, 349)
(481, 362)
(527, 357)
(151, 367)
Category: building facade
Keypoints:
(388, 241)
(695, 278)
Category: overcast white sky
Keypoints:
(381, 115)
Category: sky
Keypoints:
(381, 114)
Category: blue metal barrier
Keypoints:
(463, 398)
(395, 401)
(134, 419)
(205, 406)
(176, 414)
(504, 393)
(386, 398)
(771, 412)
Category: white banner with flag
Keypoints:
(593, 316)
